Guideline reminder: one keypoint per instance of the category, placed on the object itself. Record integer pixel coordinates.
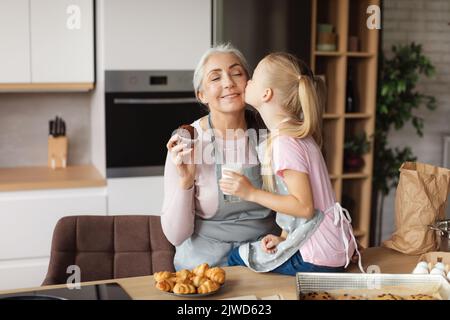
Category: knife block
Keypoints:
(57, 152)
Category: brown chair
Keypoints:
(108, 247)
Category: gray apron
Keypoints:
(299, 230)
(233, 224)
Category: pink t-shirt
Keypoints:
(326, 246)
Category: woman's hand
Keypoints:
(236, 185)
(180, 157)
(269, 243)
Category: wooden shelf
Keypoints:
(355, 175)
(360, 54)
(348, 17)
(357, 115)
(331, 116)
(328, 53)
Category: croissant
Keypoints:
(200, 270)
(165, 285)
(216, 274)
(184, 274)
(180, 280)
(182, 288)
(208, 286)
(158, 276)
(198, 280)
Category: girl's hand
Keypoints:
(182, 157)
(269, 243)
(236, 185)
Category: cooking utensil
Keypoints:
(442, 229)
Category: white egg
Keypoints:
(440, 266)
(437, 271)
(422, 264)
(420, 270)
(448, 276)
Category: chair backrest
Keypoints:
(108, 247)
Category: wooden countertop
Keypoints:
(35, 178)
(240, 281)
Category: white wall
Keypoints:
(426, 23)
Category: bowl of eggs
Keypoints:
(435, 264)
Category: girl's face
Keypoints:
(223, 84)
(255, 87)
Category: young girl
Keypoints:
(317, 235)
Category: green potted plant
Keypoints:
(397, 101)
(354, 148)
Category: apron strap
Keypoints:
(342, 217)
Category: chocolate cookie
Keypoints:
(420, 297)
(348, 297)
(388, 296)
(317, 296)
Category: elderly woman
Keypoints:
(197, 218)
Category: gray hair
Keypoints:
(220, 48)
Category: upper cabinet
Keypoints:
(49, 45)
(62, 41)
(14, 41)
(156, 34)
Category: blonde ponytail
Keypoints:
(301, 95)
(312, 110)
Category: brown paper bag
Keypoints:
(420, 200)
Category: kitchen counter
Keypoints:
(36, 178)
(242, 281)
(239, 282)
(385, 260)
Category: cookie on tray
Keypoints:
(317, 296)
(348, 297)
(387, 296)
(420, 297)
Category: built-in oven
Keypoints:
(142, 110)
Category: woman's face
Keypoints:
(223, 84)
(254, 91)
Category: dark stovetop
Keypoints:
(109, 291)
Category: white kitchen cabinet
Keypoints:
(14, 41)
(27, 220)
(62, 41)
(138, 195)
(156, 34)
(23, 273)
(46, 45)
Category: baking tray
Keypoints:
(372, 284)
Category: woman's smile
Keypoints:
(230, 96)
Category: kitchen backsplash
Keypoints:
(24, 127)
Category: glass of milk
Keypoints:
(226, 169)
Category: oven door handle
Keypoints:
(155, 101)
